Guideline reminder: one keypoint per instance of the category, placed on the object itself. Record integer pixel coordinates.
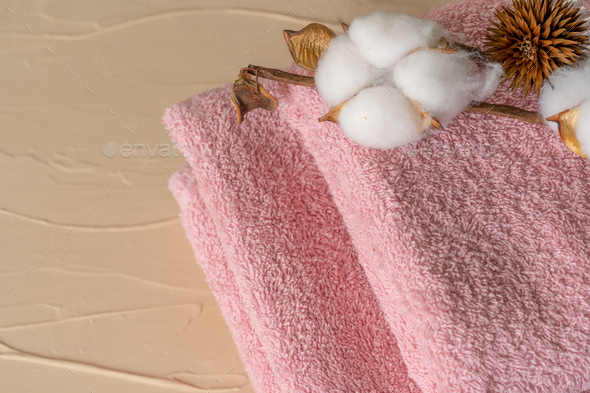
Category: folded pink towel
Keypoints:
(200, 229)
(277, 255)
(480, 260)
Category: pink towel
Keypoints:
(320, 251)
(201, 232)
(481, 261)
(277, 255)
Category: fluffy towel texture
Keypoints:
(480, 263)
(200, 230)
(277, 254)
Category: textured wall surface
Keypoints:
(99, 290)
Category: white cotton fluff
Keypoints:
(384, 37)
(445, 83)
(583, 128)
(380, 117)
(341, 72)
(572, 87)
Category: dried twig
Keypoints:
(277, 75)
(508, 111)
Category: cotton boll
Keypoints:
(491, 77)
(583, 128)
(445, 83)
(341, 72)
(384, 37)
(380, 117)
(572, 87)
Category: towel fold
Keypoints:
(200, 230)
(456, 264)
(277, 255)
(476, 240)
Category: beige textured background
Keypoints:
(99, 289)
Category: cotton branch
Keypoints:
(308, 81)
(508, 111)
(277, 75)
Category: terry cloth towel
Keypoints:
(476, 240)
(201, 232)
(276, 253)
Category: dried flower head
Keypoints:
(535, 38)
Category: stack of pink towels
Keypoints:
(341, 268)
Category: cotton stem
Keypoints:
(508, 111)
(484, 107)
(276, 75)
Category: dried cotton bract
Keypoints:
(567, 105)
(571, 87)
(583, 128)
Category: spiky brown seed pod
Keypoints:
(534, 38)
